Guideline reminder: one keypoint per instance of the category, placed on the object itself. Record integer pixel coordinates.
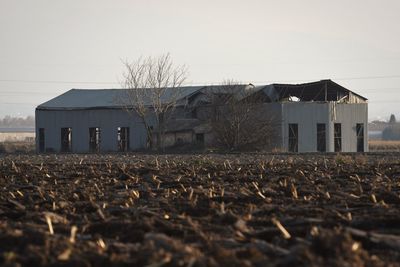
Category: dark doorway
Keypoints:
(66, 139)
(123, 139)
(360, 137)
(41, 140)
(321, 137)
(337, 135)
(94, 139)
(200, 139)
(293, 137)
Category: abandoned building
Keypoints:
(320, 116)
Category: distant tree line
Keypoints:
(9, 121)
(392, 132)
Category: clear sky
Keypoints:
(49, 46)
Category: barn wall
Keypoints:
(308, 114)
(349, 115)
(80, 121)
(169, 139)
(305, 114)
(176, 138)
(185, 137)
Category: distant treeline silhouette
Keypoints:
(392, 132)
(9, 121)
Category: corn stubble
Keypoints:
(201, 210)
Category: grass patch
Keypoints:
(17, 147)
(382, 145)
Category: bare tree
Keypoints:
(239, 118)
(392, 119)
(153, 90)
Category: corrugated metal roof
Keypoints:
(108, 98)
(114, 98)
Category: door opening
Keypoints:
(360, 137)
(94, 139)
(41, 140)
(66, 139)
(123, 139)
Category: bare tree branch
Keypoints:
(238, 119)
(154, 87)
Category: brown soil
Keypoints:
(213, 210)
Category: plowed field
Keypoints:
(203, 210)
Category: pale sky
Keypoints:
(49, 47)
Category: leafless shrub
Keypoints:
(239, 120)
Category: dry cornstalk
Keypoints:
(74, 229)
(373, 198)
(101, 243)
(64, 256)
(294, 191)
(48, 220)
(191, 194)
(284, 232)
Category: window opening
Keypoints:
(337, 135)
(293, 137)
(321, 137)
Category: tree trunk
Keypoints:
(160, 132)
(149, 143)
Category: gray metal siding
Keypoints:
(349, 115)
(306, 115)
(81, 120)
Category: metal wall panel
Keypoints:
(81, 120)
(349, 115)
(308, 114)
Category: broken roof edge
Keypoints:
(335, 83)
(320, 81)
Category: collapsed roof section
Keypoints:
(324, 90)
(204, 95)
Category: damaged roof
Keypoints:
(324, 90)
